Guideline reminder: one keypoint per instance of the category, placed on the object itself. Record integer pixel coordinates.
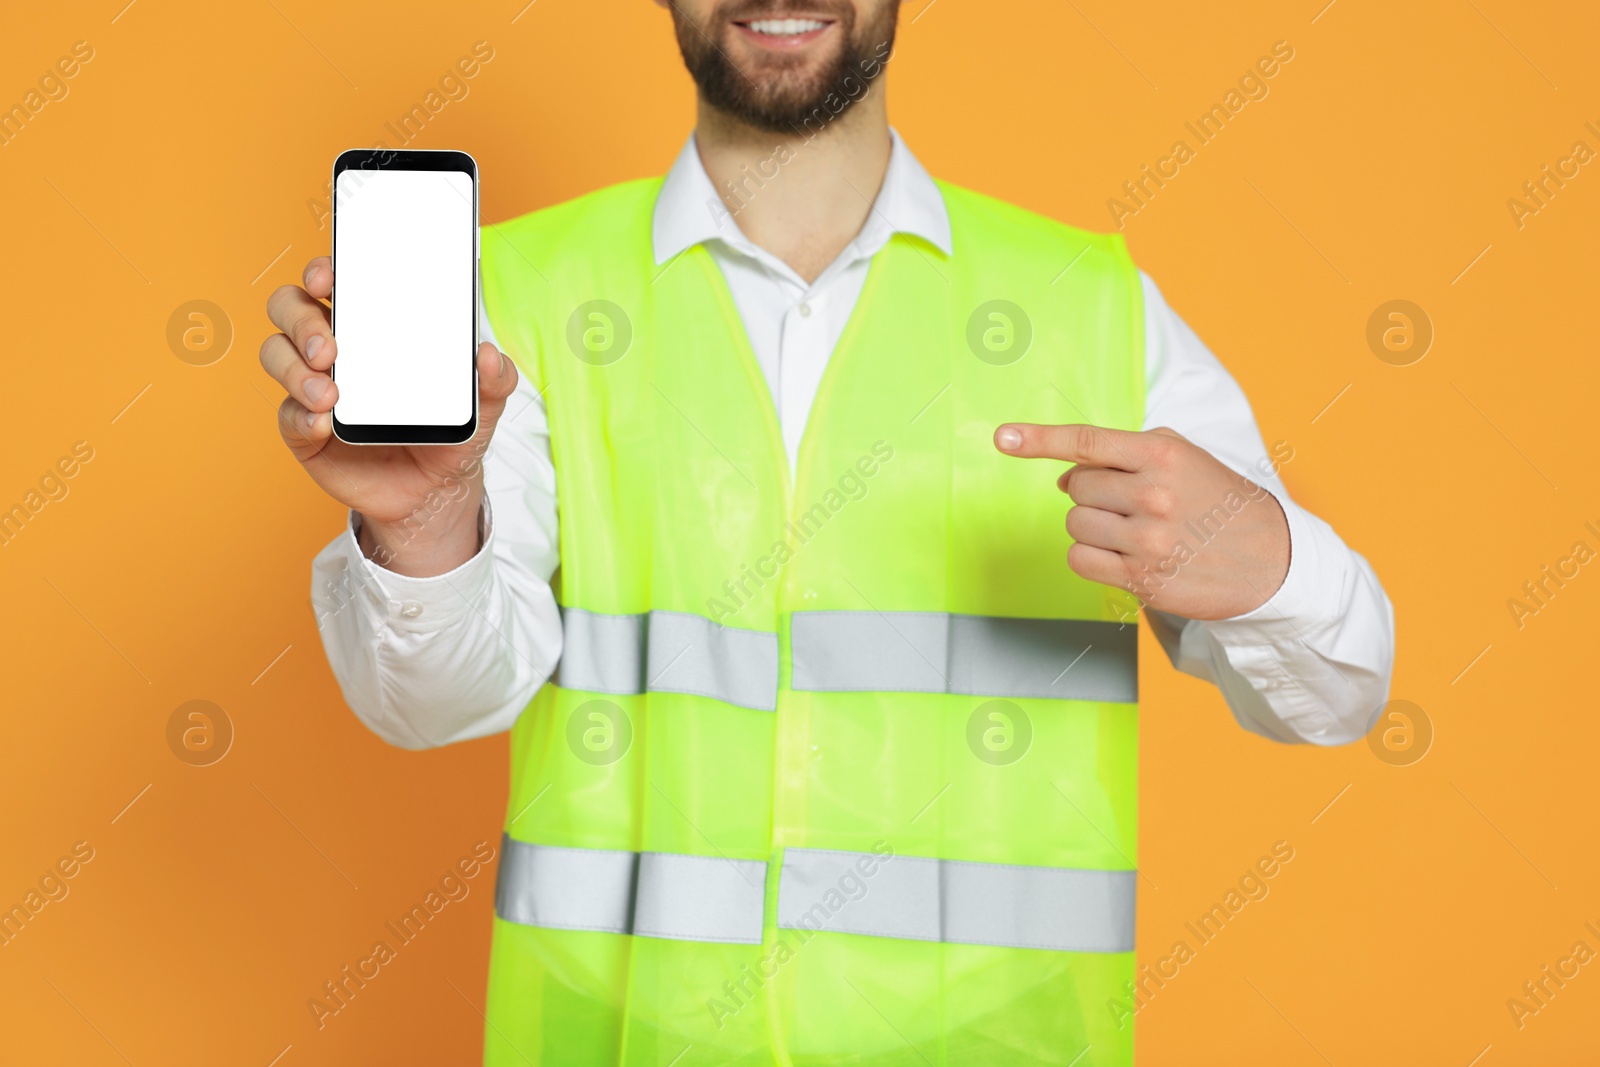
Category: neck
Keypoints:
(802, 198)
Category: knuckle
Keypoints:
(298, 329)
(1083, 440)
(1164, 450)
(280, 296)
(1155, 500)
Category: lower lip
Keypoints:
(785, 43)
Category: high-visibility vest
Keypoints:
(839, 762)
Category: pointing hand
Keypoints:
(1161, 517)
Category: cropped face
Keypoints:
(775, 63)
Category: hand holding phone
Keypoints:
(419, 503)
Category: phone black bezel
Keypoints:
(408, 159)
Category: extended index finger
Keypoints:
(1097, 446)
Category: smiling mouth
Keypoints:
(784, 32)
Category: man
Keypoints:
(839, 762)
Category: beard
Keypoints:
(780, 94)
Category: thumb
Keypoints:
(497, 378)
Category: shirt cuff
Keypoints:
(1311, 596)
(423, 605)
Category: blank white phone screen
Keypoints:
(403, 298)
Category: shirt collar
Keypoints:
(689, 211)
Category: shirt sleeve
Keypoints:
(1313, 663)
(430, 661)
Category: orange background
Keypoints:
(177, 568)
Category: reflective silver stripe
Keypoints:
(601, 653)
(651, 894)
(851, 651)
(668, 652)
(692, 654)
(1060, 908)
(934, 652)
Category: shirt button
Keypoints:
(810, 594)
(805, 311)
(410, 610)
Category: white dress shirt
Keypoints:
(430, 661)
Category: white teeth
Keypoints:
(786, 27)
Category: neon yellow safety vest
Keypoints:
(839, 765)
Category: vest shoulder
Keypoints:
(609, 212)
(997, 221)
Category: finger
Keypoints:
(1080, 443)
(1102, 487)
(315, 390)
(497, 375)
(318, 278)
(306, 321)
(305, 432)
(1098, 565)
(497, 378)
(1100, 529)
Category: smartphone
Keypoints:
(405, 296)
